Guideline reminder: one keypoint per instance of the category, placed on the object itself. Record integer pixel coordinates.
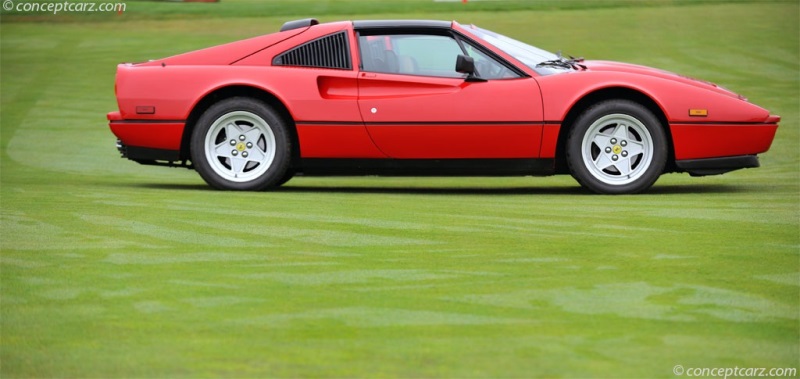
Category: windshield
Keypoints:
(529, 55)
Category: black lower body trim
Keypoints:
(149, 156)
(426, 167)
(716, 166)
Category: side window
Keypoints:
(425, 55)
(410, 54)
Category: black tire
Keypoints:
(256, 155)
(616, 147)
(286, 177)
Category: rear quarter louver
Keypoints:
(331, 51)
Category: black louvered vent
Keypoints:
(327, 52)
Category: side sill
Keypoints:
(716, 166)
(426, 167)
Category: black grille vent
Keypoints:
(327, 52)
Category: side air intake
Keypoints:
(331, 51)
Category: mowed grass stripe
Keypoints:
(118, 270)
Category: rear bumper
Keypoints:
(716, 166)
(147, 140)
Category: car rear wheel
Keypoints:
(616, 147)
(241, 144)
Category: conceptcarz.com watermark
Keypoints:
(56, 7)
(734, 372)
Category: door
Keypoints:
(416, 106)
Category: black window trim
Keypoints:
(401, 24)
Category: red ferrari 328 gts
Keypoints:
(425, 98)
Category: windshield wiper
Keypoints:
(571, 63)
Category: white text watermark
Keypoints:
(734, 372)
(56, 7)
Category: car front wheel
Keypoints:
(616, 147)
(241, 144)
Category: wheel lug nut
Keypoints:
(608, 150)
(233, 142)
(614, 157)
(624, 154)
(244, 154)
(623, 143)
(613, 141)
(235, 153)
(249, 145)
(242, 137)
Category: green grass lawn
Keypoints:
(110, 269)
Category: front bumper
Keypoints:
(713, 139)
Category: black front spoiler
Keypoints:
(716, 166)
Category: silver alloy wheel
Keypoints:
(240, 146)
(617, 149)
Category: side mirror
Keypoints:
(466, 65)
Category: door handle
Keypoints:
(368, 75)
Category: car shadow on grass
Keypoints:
(543, 190)
(435, 190)
(431, 190)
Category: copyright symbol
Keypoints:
(8, 5)
(677, 370)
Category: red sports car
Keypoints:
(425, 98)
